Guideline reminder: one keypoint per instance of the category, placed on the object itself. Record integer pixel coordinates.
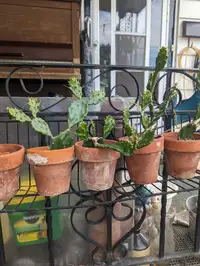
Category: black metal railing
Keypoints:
(122, 192)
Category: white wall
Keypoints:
(186, 10)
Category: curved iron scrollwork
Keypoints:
(100, 253)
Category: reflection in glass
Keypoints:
(131, 16)
(130, 50)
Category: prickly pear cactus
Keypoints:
(109, 124)
(149, 123)
(18, 115)
(187, 131)
(75, 87)
(83, 131)
(124, 147)
(64, 140)
(94, 133)
(96, 97)
(41, 126)
(78, 110)
(34, 106)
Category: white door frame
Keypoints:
(164, 41)
(95, 40)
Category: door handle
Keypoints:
(88, 26)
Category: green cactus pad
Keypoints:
(18, 115)
(77, 112)
(83, 131)
(41, 126)
(75, 87)
(96, 97)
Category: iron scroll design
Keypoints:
(108, 253)
(105, 69)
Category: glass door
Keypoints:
(131, 22)
(126, 32)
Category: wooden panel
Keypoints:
(39, 3)
(75, 36)
(35, 24)
(46, 73)
(39, 53)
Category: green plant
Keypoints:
(124, 147)
(149, 105)
(78, 110)
(187, 131)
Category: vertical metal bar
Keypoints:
(163, 214)
(43, 141)
(2, 249)
(49, 231)
(197, 228)
(109, 223)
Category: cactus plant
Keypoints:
(143, 164)
(124, 147)
(149, 122)
(98, 155)
(184, 146)
(187, 131)
(78, 110)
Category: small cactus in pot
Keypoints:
(183, 147)
(144, 163)
(52, 165)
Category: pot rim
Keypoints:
(12, 159)
(86, 154)
(172, 143)
(43, 156)
(156, 146)
(21, 147)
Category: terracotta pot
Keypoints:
(181, 156)
(143, 165)
(11, 158)
(51, 169)
(97, 166)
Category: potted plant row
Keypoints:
(51, 165)
(98, 156)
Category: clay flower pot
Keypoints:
(11, 158)
(51, 169)
(181, 156)
(143, 165)
(97, 166)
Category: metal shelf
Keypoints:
(77, 198)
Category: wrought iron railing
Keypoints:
(122, 191)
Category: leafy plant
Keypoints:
(124, 147)
(149, 105)
(78, 110)
(187, 131)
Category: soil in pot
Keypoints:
(97, 166)
(181, 156)
(143, 165)
(11, 158)
(51, 169)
